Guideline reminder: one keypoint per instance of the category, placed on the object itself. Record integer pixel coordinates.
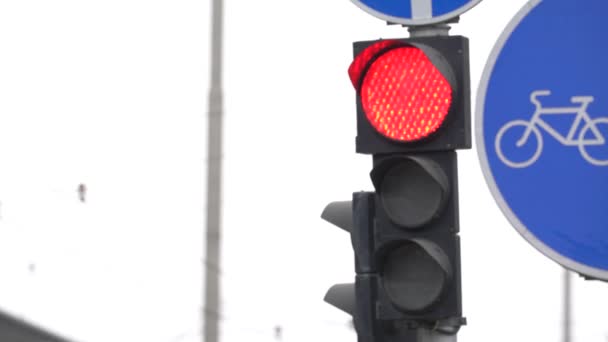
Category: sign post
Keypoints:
(542, 130)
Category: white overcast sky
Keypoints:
(113, 94)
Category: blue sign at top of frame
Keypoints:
(416, 12)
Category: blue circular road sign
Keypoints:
(416, 12)
(542, 130)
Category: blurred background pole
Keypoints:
(211, 305)
(567, 306)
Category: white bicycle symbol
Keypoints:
(536, 122)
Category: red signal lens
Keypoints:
(404, 96)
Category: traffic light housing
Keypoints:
(406, 244)
(413, 112)
(402, 69)
(415, 234)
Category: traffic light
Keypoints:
(413, 95)
(413, 112)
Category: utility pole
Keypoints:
(567, 306)
(211, 305)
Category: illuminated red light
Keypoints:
(404, 96)
(357, 67)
